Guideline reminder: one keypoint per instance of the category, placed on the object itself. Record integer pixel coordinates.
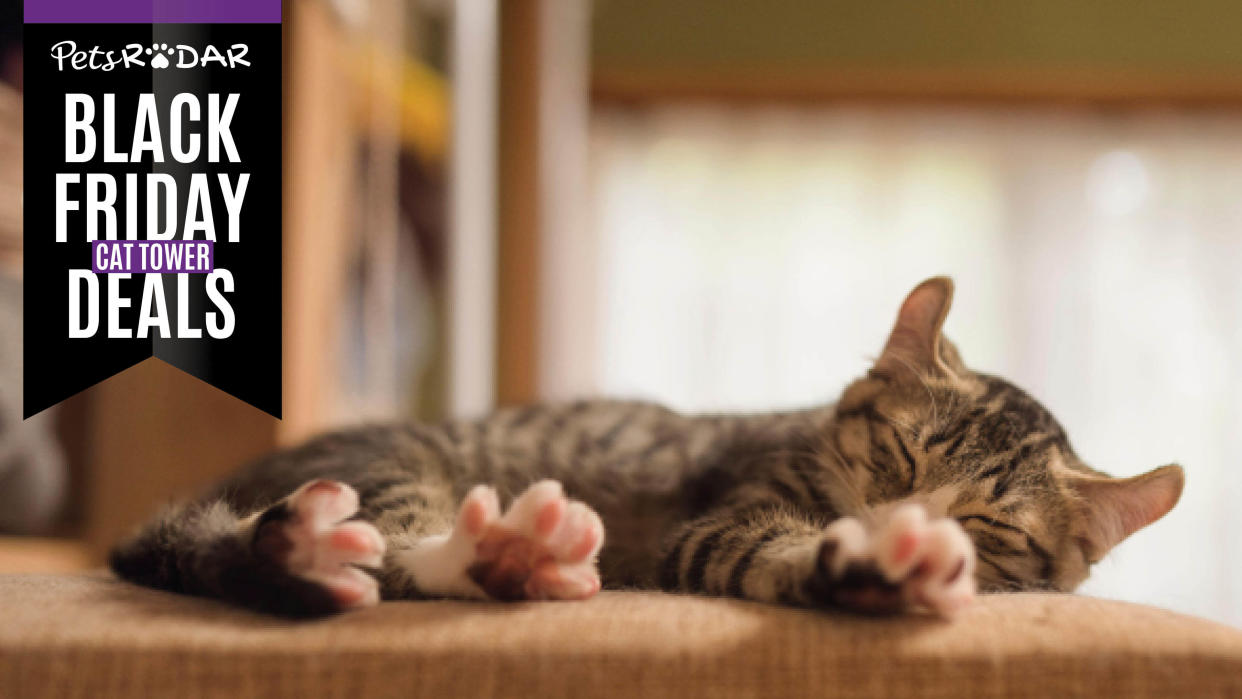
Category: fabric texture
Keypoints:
(94, 636)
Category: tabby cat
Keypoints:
(924, 482)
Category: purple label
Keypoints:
(152, 256)
(152, 11)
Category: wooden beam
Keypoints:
(519, 211)
(803, 84)
(318, 187)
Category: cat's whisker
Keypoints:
(909, 428)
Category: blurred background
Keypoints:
(716, 205)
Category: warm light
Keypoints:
(1117, 183)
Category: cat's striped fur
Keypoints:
(720, 504)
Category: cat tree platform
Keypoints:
(93, 636)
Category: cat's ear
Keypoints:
(915, 341)
(1114, 508)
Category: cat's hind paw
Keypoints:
(542, 548)
(308, 535)
(908, 561)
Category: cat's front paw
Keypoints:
(907, 561)
(542, 548)
(307, 536)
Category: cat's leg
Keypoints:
(295, 558)
(772, 554)
(543, 547)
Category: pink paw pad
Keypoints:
(542, 547)
(313, 542)
(932, 560)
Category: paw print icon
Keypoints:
(160, 60)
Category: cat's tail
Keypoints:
(206, 549)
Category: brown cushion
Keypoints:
(92, 636)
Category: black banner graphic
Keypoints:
(152, 205)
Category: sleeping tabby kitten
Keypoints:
(926, 480)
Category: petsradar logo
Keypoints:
(160, 56)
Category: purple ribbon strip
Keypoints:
(152, 11)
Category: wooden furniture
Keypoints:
(93, 636)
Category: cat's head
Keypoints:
(921, 426)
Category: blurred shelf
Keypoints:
(20, 554)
